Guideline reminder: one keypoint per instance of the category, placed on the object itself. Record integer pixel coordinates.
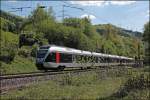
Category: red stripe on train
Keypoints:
(57, 57)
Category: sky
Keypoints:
(130, 15)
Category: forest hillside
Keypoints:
(20, 37)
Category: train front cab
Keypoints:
(58, 60)
(40, 57)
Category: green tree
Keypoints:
(39, 23)
(88, 29)
(84, 24)
(73, 22)
(146, 35)
(146, 39)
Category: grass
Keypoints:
(137, 87)
(19, 65)
(91, 86)
(138, 95)
(8, 37)
(84, 87)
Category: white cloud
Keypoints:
(101, 3)
(121, 2)
(89, 3)
(90, 16)
(147, 13)
(12, 1)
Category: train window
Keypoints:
(101, 59)
(109, 59)
(118, 60)
(89, 58)
(114, 60)
(96, 59)
(41, 53)
(78, 58)
(93, 59)
(105, 60)
(51, 57)
(45, 47)
(86, 59)
(65, 58)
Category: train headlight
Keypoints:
(39, 60)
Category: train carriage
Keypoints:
(57, 57)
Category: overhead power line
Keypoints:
(63, 9)
(19, 9)
(14, 10)
(74, 7)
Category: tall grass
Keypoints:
(109, 84)
(84, 86)
(19, 65)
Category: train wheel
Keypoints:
(83, 68)
(61, 68)
(45, 70)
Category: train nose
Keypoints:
(39, 63)
(39, 66)
(39, 60)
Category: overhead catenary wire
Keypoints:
(63, 9)
(84, 10)
(65, 5)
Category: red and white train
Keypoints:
(57, 57)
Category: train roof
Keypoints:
(80, 52)
(65, 50)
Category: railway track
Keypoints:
(13, 81)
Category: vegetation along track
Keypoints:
(9, 82)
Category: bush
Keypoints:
(24, 52)
(8, 53)
(33, 51)
(139, 82)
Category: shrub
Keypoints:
(139, 82)
(8, 53)
(24, 52)
(67, 79)
(33, 51)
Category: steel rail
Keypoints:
(9, 82)
(7, 76)
(13, 81)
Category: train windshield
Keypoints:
(41, 53)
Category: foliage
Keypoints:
(18, 65)
(10, 22)
(84, 87)
(146, 39)
(10, 17)
(8, 53)
(7, 25)
(8, 43)
(80, 34)
(146, 34)
(137, 82)
(23, 52)
(83, 24)
(34, 50)
(41, 28)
